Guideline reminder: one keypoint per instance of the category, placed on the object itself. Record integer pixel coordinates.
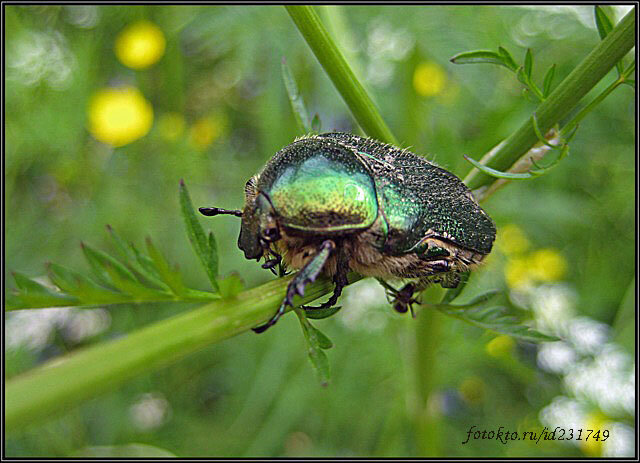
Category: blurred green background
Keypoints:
(108, 107)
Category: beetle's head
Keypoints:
(259, 227)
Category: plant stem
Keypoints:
(569, 126)
(563, 99)
(334, 64)
(62, 383)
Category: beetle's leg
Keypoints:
(340, 279)
(308, 274)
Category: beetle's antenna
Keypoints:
(211, 211)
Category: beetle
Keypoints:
(335, 202)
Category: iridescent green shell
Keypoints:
(318, 185)
(337, 182)
(418, 198)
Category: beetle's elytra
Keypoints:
(336, 202)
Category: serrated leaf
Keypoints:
(528, 63)
(230, 285)
(451, 294)
(99, 260)
(172, 278)
(17, 301)
(548, 79)
(316, 124)
(131, 289)
(24, 283)
(208, 255)
(481, 56)
(133, 260)
(493, 318)
(319, 314)
(297, 104)
(32, 294)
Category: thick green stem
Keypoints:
(334, 64)
(563, 99)
(62, 383)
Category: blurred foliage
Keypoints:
(218, 110)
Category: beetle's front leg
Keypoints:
(340, 279)
(306, 275)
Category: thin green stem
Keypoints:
(588, 108)
(333, 62)
(62, 383)
(562, 100)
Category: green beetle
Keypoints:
(336, 202)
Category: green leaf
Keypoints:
(172, 278)
(483, 56)
(316, 343)
(630, 83)
(206, 250)
(548, 78)
(135, 261)
(319, 314)
(297, 104)
(604, 25)
(528, 63)
(231, 285)
(82, 287)
(99, 260)
(499, 174)
(451, 294)
(316, 124)
(32, 294)
(479, 313)
(508, 59)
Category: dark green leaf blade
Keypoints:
(316, 342)
(507, 58)
(297, 104)
(172, 278)
(207, 255)
(528, 63)
(481, 56)
(133, 260)
(319, 314)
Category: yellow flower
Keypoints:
(472, 390)
(547, 265)
(517, 273)
(429, 79)
(118, 116)
(501, 346)
(140, 45)
(512, 240)
(206, 130)
(171, 126)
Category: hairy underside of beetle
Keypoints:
(364, 258)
